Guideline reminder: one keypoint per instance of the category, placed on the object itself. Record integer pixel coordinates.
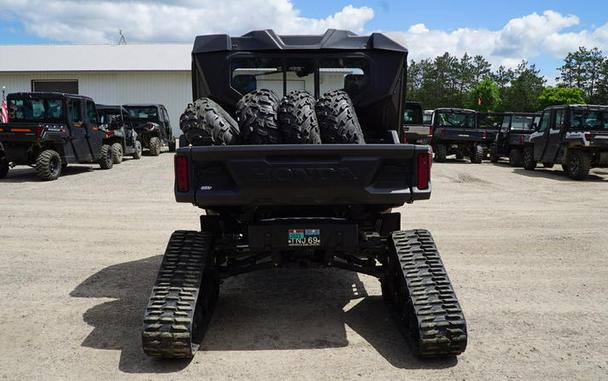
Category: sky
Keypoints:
(505, 32)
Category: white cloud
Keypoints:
(177, 20)
(524, 37)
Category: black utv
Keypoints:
(151, 122)
(48, 131)
(575, 136)
(415, 129)
(456, 132)
(313, 204)
(120, 135)
(512, 137)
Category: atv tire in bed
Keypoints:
(257, 116)
(204, 122)
(337, 119)
(297, 118)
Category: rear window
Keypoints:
(34, 110)
(457, 120)
(522, 123)
(283, 75)
(589, 120)
(142, 113)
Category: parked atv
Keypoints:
(151, 122)
(48, 131)
(456, 132)
(120, 135)
(271, 205)
(575, 136)
(512, 138)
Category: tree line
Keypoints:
(470, 82)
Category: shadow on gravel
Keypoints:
(268, 310)
(559, 175)
(28, 175)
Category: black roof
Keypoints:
(46, 94)
(455, 110)
(110, 107)
(144, 105)
(267, 39)
(585, 107)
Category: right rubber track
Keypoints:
(423, 300)
(338, 120)
(182, 299)
(257, 116)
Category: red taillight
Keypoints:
(39, 132)
(424, 169)
(181, 173)
(588, 136)
(109, 134)
(431, 131)
(522, 139)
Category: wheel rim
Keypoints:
(54, 166)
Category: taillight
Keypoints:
(522, 139)
(485, 135)
(39, 132)
(109, 134)
(431, 131)
(588, 136)
(424, 161)
(181, 173)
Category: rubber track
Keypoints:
(169, 316)
(440, 325)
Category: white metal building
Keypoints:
(110, 74)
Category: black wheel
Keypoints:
(477, 154)
(4, 168)
(138, 150)
(172, 145)
(117, 153)
(516, 157)
(48, 165)
(441, 152)
(154, 146)
(459, 155)
(548, 165)
(338, 120)
(256, 113)
(528, 161)
(204, 122)
(106, 161)
(494, 154)
(297, 118)
(577, 165)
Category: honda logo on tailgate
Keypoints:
(302, 175)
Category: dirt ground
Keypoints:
(527, 253)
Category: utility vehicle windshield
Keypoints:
(589, 120)
(35, 109)
(427, 117)
(453, 119)
(282, 75)
(142, 112)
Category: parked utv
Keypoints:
(575, 136)
(512, 138)
(151, 122)
(48, 131)
(4, 167)
(415, 130)
(456, 132)
(310, 204)
(120, 135)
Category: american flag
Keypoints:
(3, 109)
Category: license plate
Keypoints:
(303, 237)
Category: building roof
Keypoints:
(58, 58)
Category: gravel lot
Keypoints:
(527, 253)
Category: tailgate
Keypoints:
(380, 174)
(18, 132)
(465, 134)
